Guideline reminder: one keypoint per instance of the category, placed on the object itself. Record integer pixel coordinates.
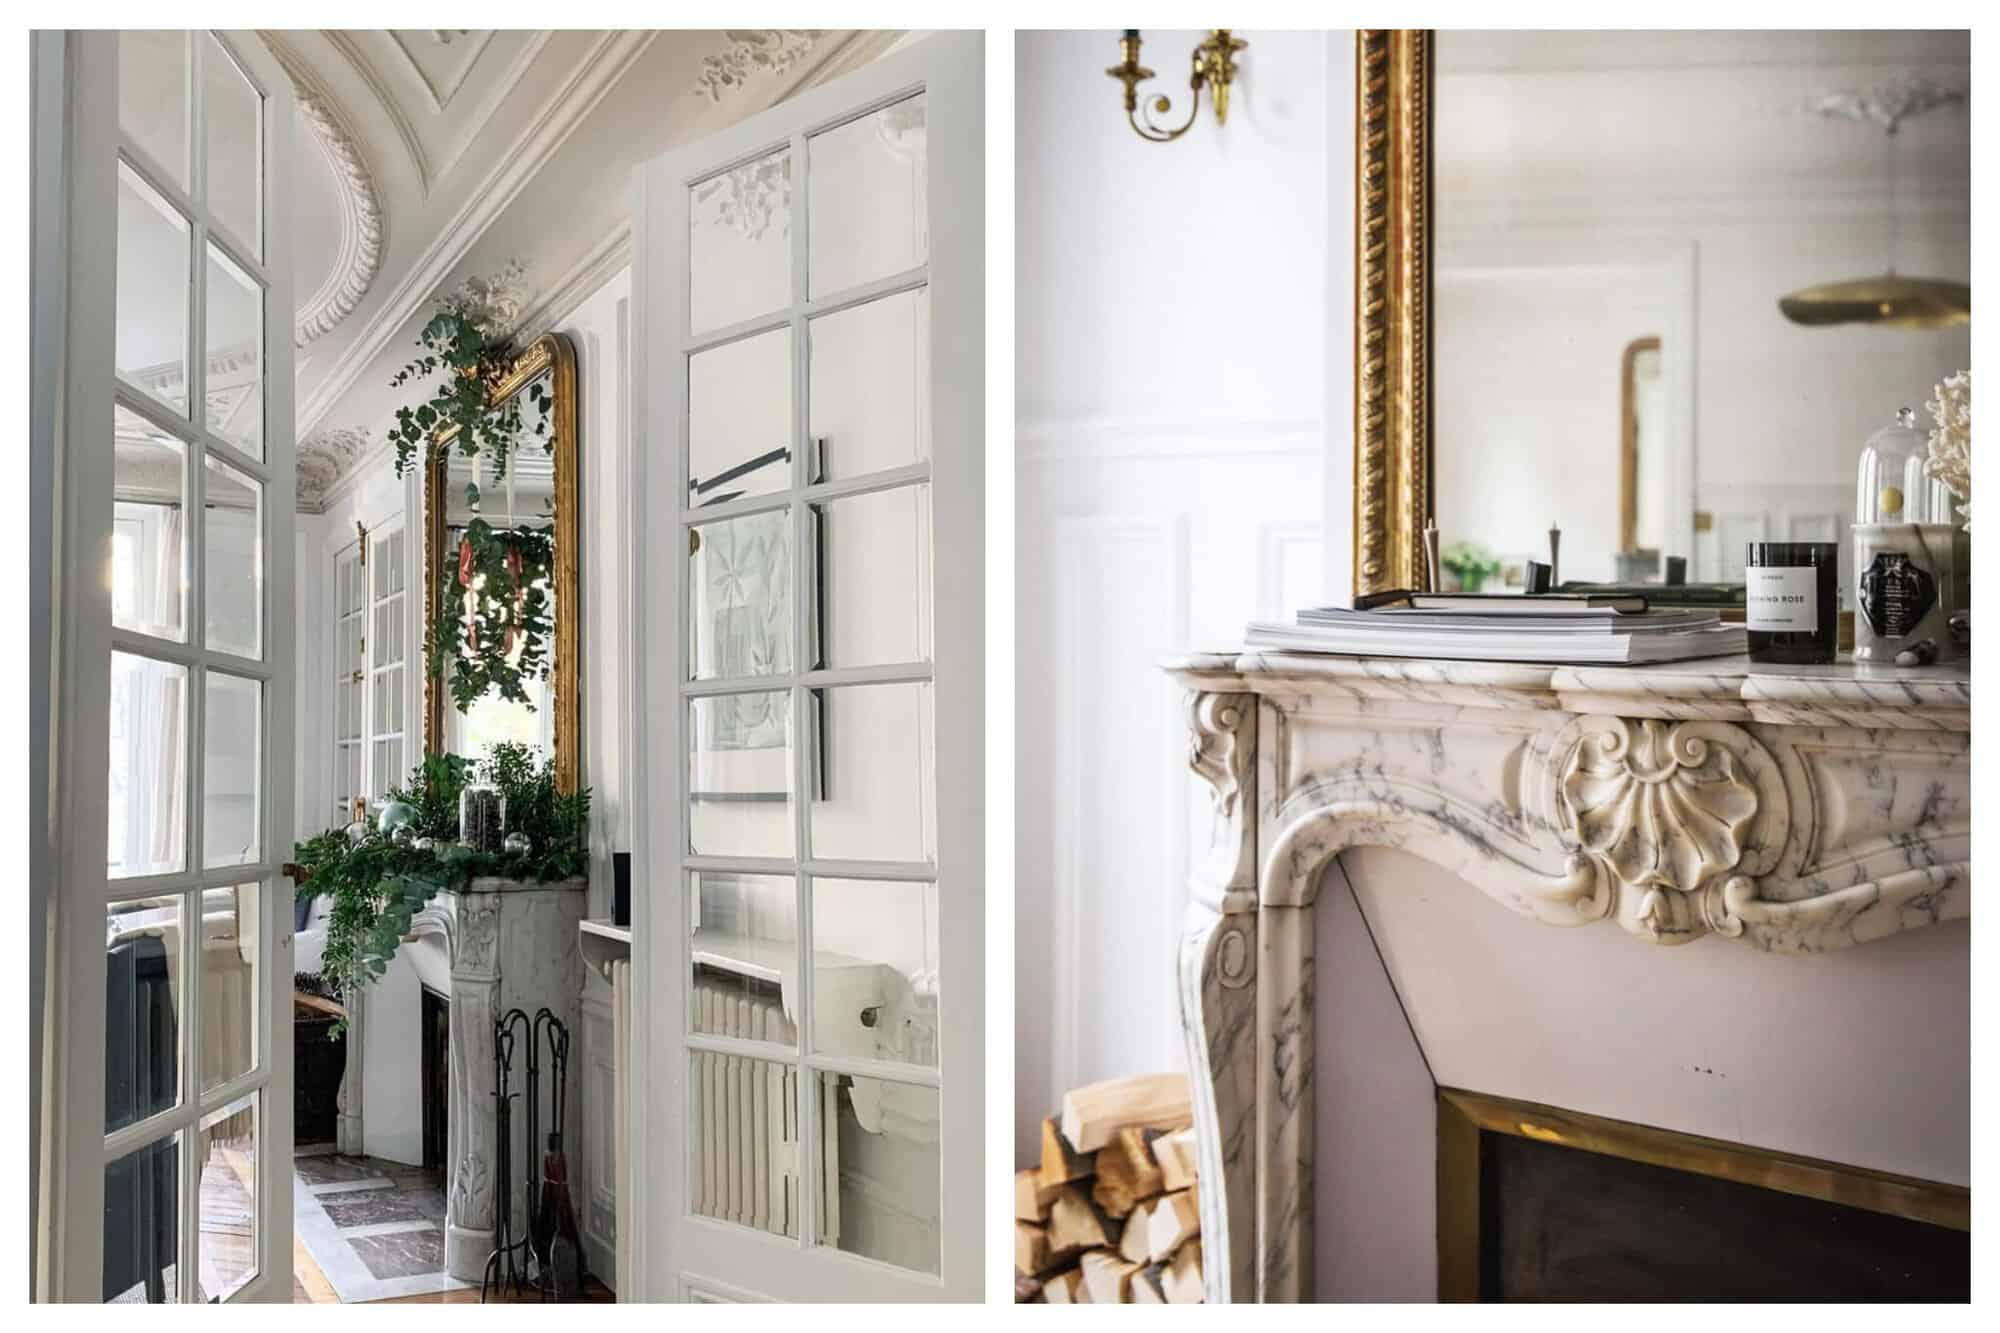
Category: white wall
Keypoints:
(1170, 371)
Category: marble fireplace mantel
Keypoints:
(1793, 809)
(511, 944)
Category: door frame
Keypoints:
(950, 68)
(72, 1150)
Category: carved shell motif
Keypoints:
(1662, 804)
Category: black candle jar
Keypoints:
(1792, 601)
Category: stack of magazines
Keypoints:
(1559, 628)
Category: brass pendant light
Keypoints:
(1887, 299)
(1890, 300)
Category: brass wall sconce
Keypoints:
(1212, 65)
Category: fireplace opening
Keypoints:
(435, 1016)
(1540, 1204)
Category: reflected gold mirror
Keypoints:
(1591, 277)
(519, 527)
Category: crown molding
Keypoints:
(326, 460)
(440, 98)
(363, 221)
(595, 75)
(357, 60)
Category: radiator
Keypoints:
(747, 1119)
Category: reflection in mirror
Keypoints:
(514, 527)
(1618, 215)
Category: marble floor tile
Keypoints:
(332, 1169)
(367, 1207)
(403, 1253)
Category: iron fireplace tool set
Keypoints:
(547, 1254)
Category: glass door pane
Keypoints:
(191, 952)
(826, 763)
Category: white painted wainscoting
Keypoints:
(1144, 538)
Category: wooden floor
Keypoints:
(594, 1293)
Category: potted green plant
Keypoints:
(1471, 562)
(379, 876)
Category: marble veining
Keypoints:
(1792, 809)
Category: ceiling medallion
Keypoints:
(753, 51)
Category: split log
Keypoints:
(1134, 1243)
(1076, 1223)
(1031, 1197)
(1031, 1249)
(1183, 1283)
(1066, 1288)
(1062, 1163)
(1092, 1116)
(1149, 1285)
(1172, 1220)
(1108, 1277)
(1126, 1172)
(1177, 1158)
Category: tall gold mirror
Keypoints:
(1654, 289)
(473, 518)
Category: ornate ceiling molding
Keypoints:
(595, 75)
(751, 52)
(324, 458)
(363, 223)
(441, 91)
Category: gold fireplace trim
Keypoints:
(1462, 1116)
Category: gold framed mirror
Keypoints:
(1392, 305)
(539, 490)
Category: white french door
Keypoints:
(165, 1161)
(809, 903)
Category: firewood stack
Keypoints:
(1111, 1214)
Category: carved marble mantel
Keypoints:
(1793, 809)
(511, 943)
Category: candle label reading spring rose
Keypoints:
(1781, 600)
(1895, 594)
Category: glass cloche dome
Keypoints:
(1891, 485)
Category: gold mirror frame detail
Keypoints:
(550, 350)
(1392, 306)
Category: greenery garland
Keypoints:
(378, 881)
(470, 366)
(499, 636)
(502, 639)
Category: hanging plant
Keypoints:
(497, 637)
(500, 614)
(379, 879)
(467, 346)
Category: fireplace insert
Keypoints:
(1540, 1204)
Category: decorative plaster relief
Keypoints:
(324, 457)
(363, 222)
(753, 51)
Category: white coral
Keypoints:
(1950, 458)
